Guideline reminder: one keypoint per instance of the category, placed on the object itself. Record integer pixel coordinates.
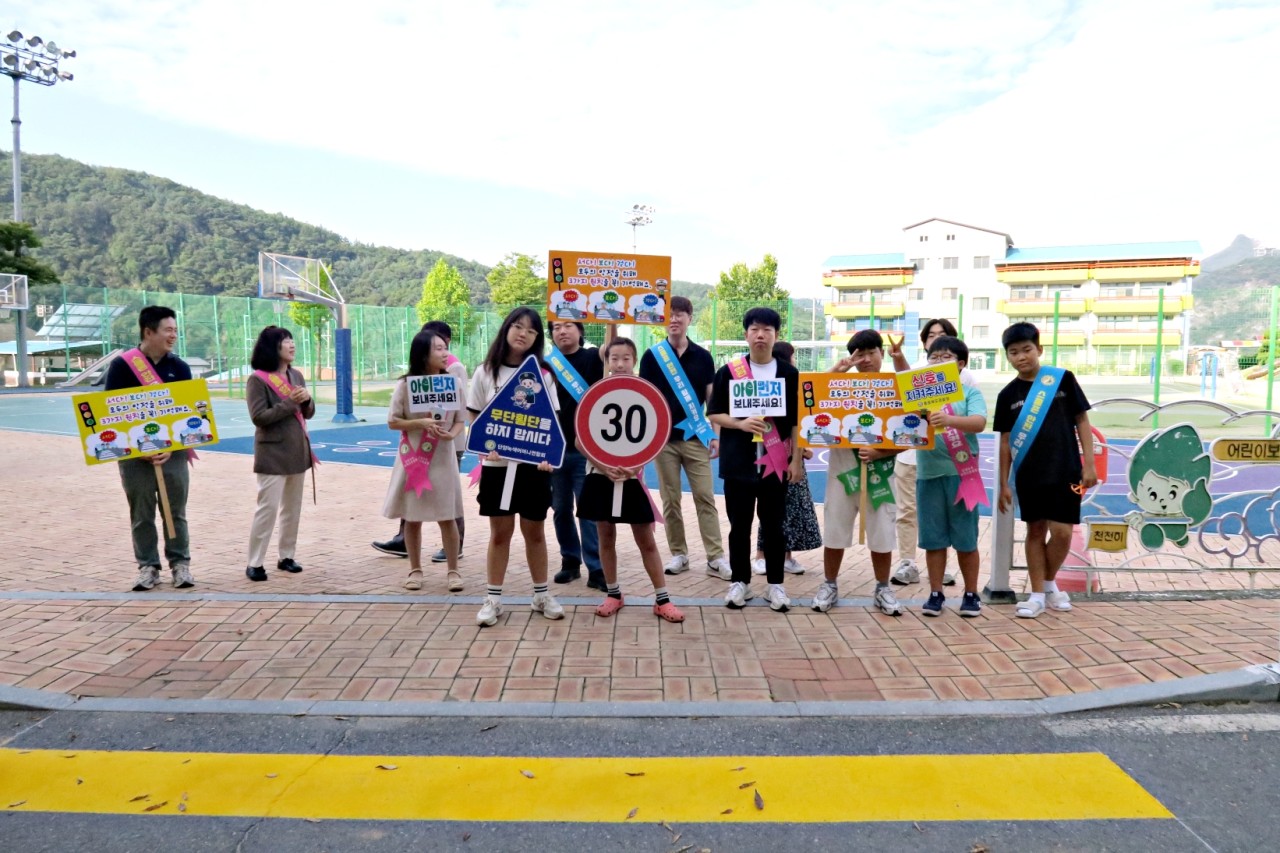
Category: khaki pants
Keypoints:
(904, 494)
(278, 494)
(695, 458)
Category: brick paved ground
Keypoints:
(66, 531)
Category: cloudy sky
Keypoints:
(802, 128)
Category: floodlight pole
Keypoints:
(639, 214)
(20, 339)
(40, 60)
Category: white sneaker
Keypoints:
(948, 578)
(888, 602)
(1029, 609)
(182, 578)
(546, 604)
(719, 568)
(738, 595)
(791, 567)
(905, 573)
(1058, 601)
(826, 597)
(148, 577)
(678, 565)
(757, 567)
(489, 612)
(778, 598)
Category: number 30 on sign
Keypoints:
(623, 422)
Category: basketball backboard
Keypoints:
(13, 292)
(291, 277)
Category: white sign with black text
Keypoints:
(757, 398)
(429, 394)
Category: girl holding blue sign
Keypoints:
(637, 509)
(424, 483)
(529, 496)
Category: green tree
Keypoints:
(313, 316)
(445, 295)
(518, 280)
(16, 240)
(741, 288)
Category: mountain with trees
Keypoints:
(1233, 300)
(118, 228)
(1241, 249)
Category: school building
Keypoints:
(1107, 298)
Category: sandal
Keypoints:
(609, 606)
(455, 581)
(414, 581)
(668, 611)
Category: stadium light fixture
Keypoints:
(638, 215)
(36, 61)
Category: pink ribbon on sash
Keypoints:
(146, 375)
(417, 462)
(972, 491)
(775, 459)
(283, 389)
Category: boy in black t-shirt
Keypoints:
(748, 491)
(1051, 478)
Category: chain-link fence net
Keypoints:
(72, 326)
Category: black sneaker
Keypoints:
(255, 573)
(393, 546)
(289, 565)
(933, 607)
(595, 580)
(568, 573)
(970, 605)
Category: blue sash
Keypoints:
(570, 378)
(1031, 417)
(695, 422)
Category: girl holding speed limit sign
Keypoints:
(623, 422)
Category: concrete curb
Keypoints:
(1259, 683)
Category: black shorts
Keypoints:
(596, 503)
(1048, 502)
(530, 499)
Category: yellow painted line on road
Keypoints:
(718, 789)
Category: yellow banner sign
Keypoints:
(930, 387)
(858, 410)
(135, 422)
(1263, 450)
(1108, 537)
(595, 287)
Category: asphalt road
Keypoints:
(1212, 768)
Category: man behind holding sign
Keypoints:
(577, 368)
(840, 507)
(683, 372)
(152, 362)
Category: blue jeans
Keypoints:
(566, 486)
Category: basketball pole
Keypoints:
(342, 366)
(342, 361)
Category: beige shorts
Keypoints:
(840, 512)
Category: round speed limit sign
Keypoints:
(623, 421)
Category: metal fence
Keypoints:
(217, 333)
(74, 325)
